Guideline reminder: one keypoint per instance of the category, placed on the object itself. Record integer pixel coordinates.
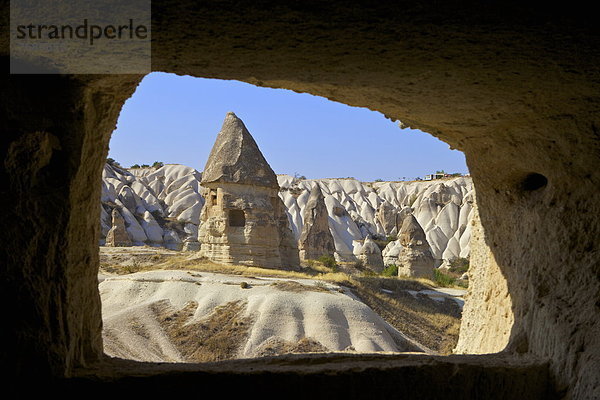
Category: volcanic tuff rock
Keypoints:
(117, 235)
(172, 195)
(316, 239)
(414, 258)
(268, 311)
(161, 207)
(388, 216)
(369, 254)
(445, 224)
(244, 220)
(236, 158)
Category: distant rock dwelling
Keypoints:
(243, 220)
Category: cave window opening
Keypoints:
(237, 218)
(171, 193)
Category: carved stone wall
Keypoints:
(242, 226)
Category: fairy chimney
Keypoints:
(243, 220)
(415, 258)
(117, 236)
(316, 239)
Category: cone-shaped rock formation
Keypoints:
(369, 254)
(243, 220)
(236, 158)
(415, 258)
(316, 239)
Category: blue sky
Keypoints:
(175, 119)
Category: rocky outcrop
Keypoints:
(369, 254)
(387, 216)
(414, 258)
(161, 206)
(244, 220)
(326, 314)
(316, 239)
(358, 209)
(168, 201)
(117, 235)
(391, 252)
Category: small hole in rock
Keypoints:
(533, 182)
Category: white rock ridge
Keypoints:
(333, 318)
(161, 207)
(357, 209)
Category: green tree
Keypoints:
(112, 161)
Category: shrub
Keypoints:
(368, 273)
(158, 164)
(328, 261)
(459, 265)
(443, 279)
(135, 166)
(390, 270)
(112, 161)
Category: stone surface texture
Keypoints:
(414, 258)
(236, 158)
(117, 235)
(369, 254)
(490, 334)
(316, 239)
(168, 201)
(355, 210)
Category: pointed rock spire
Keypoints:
(117, 236)
(415, 257)
(316, 239)
(236, 158)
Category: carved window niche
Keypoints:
(237, 218)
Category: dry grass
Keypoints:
(277, 346)
(296, 287)
(218, 337)
(429, 322)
